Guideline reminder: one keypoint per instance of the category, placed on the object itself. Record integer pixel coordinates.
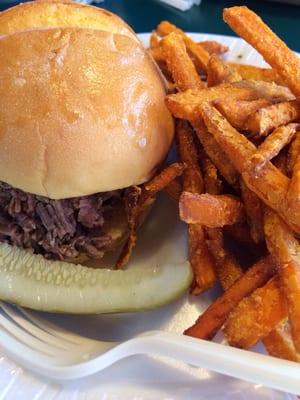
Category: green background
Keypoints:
(144, 15)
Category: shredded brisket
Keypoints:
(58, 229)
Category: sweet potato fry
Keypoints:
(268, 183)
(210, 210)
(179, 63)
(257, 73)
(154, 39)
(186, 104)
(199, 54)
(252, 29)
(218, 71)
(157, 53)
(293, 154)
(238, 111)
(161, 180)
(254, 212)
(214, 317)
(293, 193)
(273, 144)
(285, 248)
(256, 316)
(279, 343)
(212, 181)
(174, 189)
(200, 258)
(213, 47)
(137, 200)
(216, 154)
(264, 120)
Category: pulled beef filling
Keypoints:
(58, 229)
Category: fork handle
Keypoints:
(257, 368)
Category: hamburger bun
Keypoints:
(81, 111)
(61, 14)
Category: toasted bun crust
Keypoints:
(61, 14)
(81, 111)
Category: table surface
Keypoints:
(144, 15)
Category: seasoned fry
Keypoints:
(273, 144)
(212, 182)
(132, 197)
(254, 212)
(213, 47)
(238, 111)
(186, 105)
(293, 154)
(252, 29)
(216, 154)
(256, 316)
(199, 54)
(161, 180)
(210, 210)
(257, 73)
(179, 63)
(285, 248)
(218, 71)
(214, 317)
(293, 193)
(174, 189)
(138, 200)
(154, 39)
(264, 120)
(268, 183)
(279, 343)
(157, 53)
(199, 255)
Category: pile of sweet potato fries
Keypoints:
(237, 136)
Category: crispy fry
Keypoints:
(273, 144)
(161, 180)
(199, 255)
(154, 39)
(212, 181)
(253, 210)
(293, 193)
(210, 210)
(293, 154)
(132, 197)
(218, 71)
(256, 316)
(157, 53)
(213, 47)
(138, 200)
(285, 248)
(264, 120)
(179, 63)
(216, 154)
(268, 183)
(238, 111)
(174, 189)
(200, 55)
(279, 343)
(257, 73)
(252, 29)
(227, 267)
(214, 317)
(187, 104)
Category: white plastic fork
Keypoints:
(56, 353)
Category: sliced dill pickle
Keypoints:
(32, 281)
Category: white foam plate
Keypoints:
(142, 377)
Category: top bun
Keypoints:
(61, 14)
(81, 110)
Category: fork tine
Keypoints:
(52, 329)
(34, 330)
(24, 336)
